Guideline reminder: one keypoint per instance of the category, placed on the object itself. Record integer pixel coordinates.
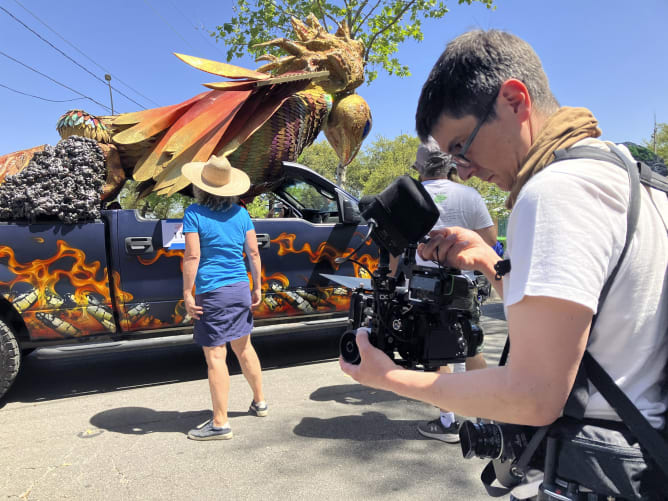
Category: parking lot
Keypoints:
(113, 426)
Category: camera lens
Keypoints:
(480, 440)
(348, 348)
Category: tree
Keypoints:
(660, 141)
(373, 169)
(381, 24)
(153, 205)
(383, 161)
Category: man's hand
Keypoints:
(256, 298)
(459, 248)
(191, 308)
(374, 367)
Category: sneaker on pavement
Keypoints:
(209, 432)
(260, 409)
(435, 429)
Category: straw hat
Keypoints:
(217, 176)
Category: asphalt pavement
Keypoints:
(113, 426)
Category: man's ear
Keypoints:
(514, 94)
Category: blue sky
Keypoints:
(609, 56)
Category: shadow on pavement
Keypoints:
(370, 426)
(142, 421)
(354, 394)
(45, 379)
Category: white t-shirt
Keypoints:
(458, 205)
(565, 235)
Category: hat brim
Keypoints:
(238, 185)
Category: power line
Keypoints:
(68, 57)
(207, 40)
(167, 23)
(42, 98)
(55, 81)
(83, 54)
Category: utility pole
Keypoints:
(107, 77)
(654, 135)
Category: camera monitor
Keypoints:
(403, 213)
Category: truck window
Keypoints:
(316, 204)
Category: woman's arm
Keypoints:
(253, 255)
(190, 265)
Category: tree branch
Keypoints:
(387, 27)
(356, 16)
(367, 16)
(323, 15)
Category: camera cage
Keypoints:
(427, 320)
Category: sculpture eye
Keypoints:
(367, 129)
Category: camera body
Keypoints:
(427, 321)
(425, 314)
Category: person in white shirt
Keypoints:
(458, 205)
(488, 103)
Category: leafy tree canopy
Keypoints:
(384, 160)
(381, 24)
(658, 141)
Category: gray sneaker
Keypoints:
(210, 432)
(435, 429)
(260, 409)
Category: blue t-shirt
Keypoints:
(222, 235)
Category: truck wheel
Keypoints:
(10, 357)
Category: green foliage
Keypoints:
(384, 160)
(260, 206)
(661, 140)
(321, 158)
(382, 25)
(153, 206)
(494, 197)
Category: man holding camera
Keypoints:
(487, 102)
(458, 205)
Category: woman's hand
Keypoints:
(459, 248)
(256, 298)
(374, 367)
(191, 308)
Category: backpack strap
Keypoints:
(589, 368)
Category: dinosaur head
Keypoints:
(348, 124)
(317, 50)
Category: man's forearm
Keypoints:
(487, 393)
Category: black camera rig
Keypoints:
(424, 314)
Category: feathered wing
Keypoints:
(258, 120)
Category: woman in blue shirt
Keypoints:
(217, 232)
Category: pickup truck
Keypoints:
(120, 277)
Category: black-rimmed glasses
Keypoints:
(460, 159)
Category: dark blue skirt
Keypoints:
(227, 315)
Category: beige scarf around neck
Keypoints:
(562, 129)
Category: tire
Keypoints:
(10, 357)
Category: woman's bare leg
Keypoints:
(250, 365)
(219, 381)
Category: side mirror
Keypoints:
(350, 213)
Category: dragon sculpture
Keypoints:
(258, 119)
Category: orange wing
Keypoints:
(217, 121)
